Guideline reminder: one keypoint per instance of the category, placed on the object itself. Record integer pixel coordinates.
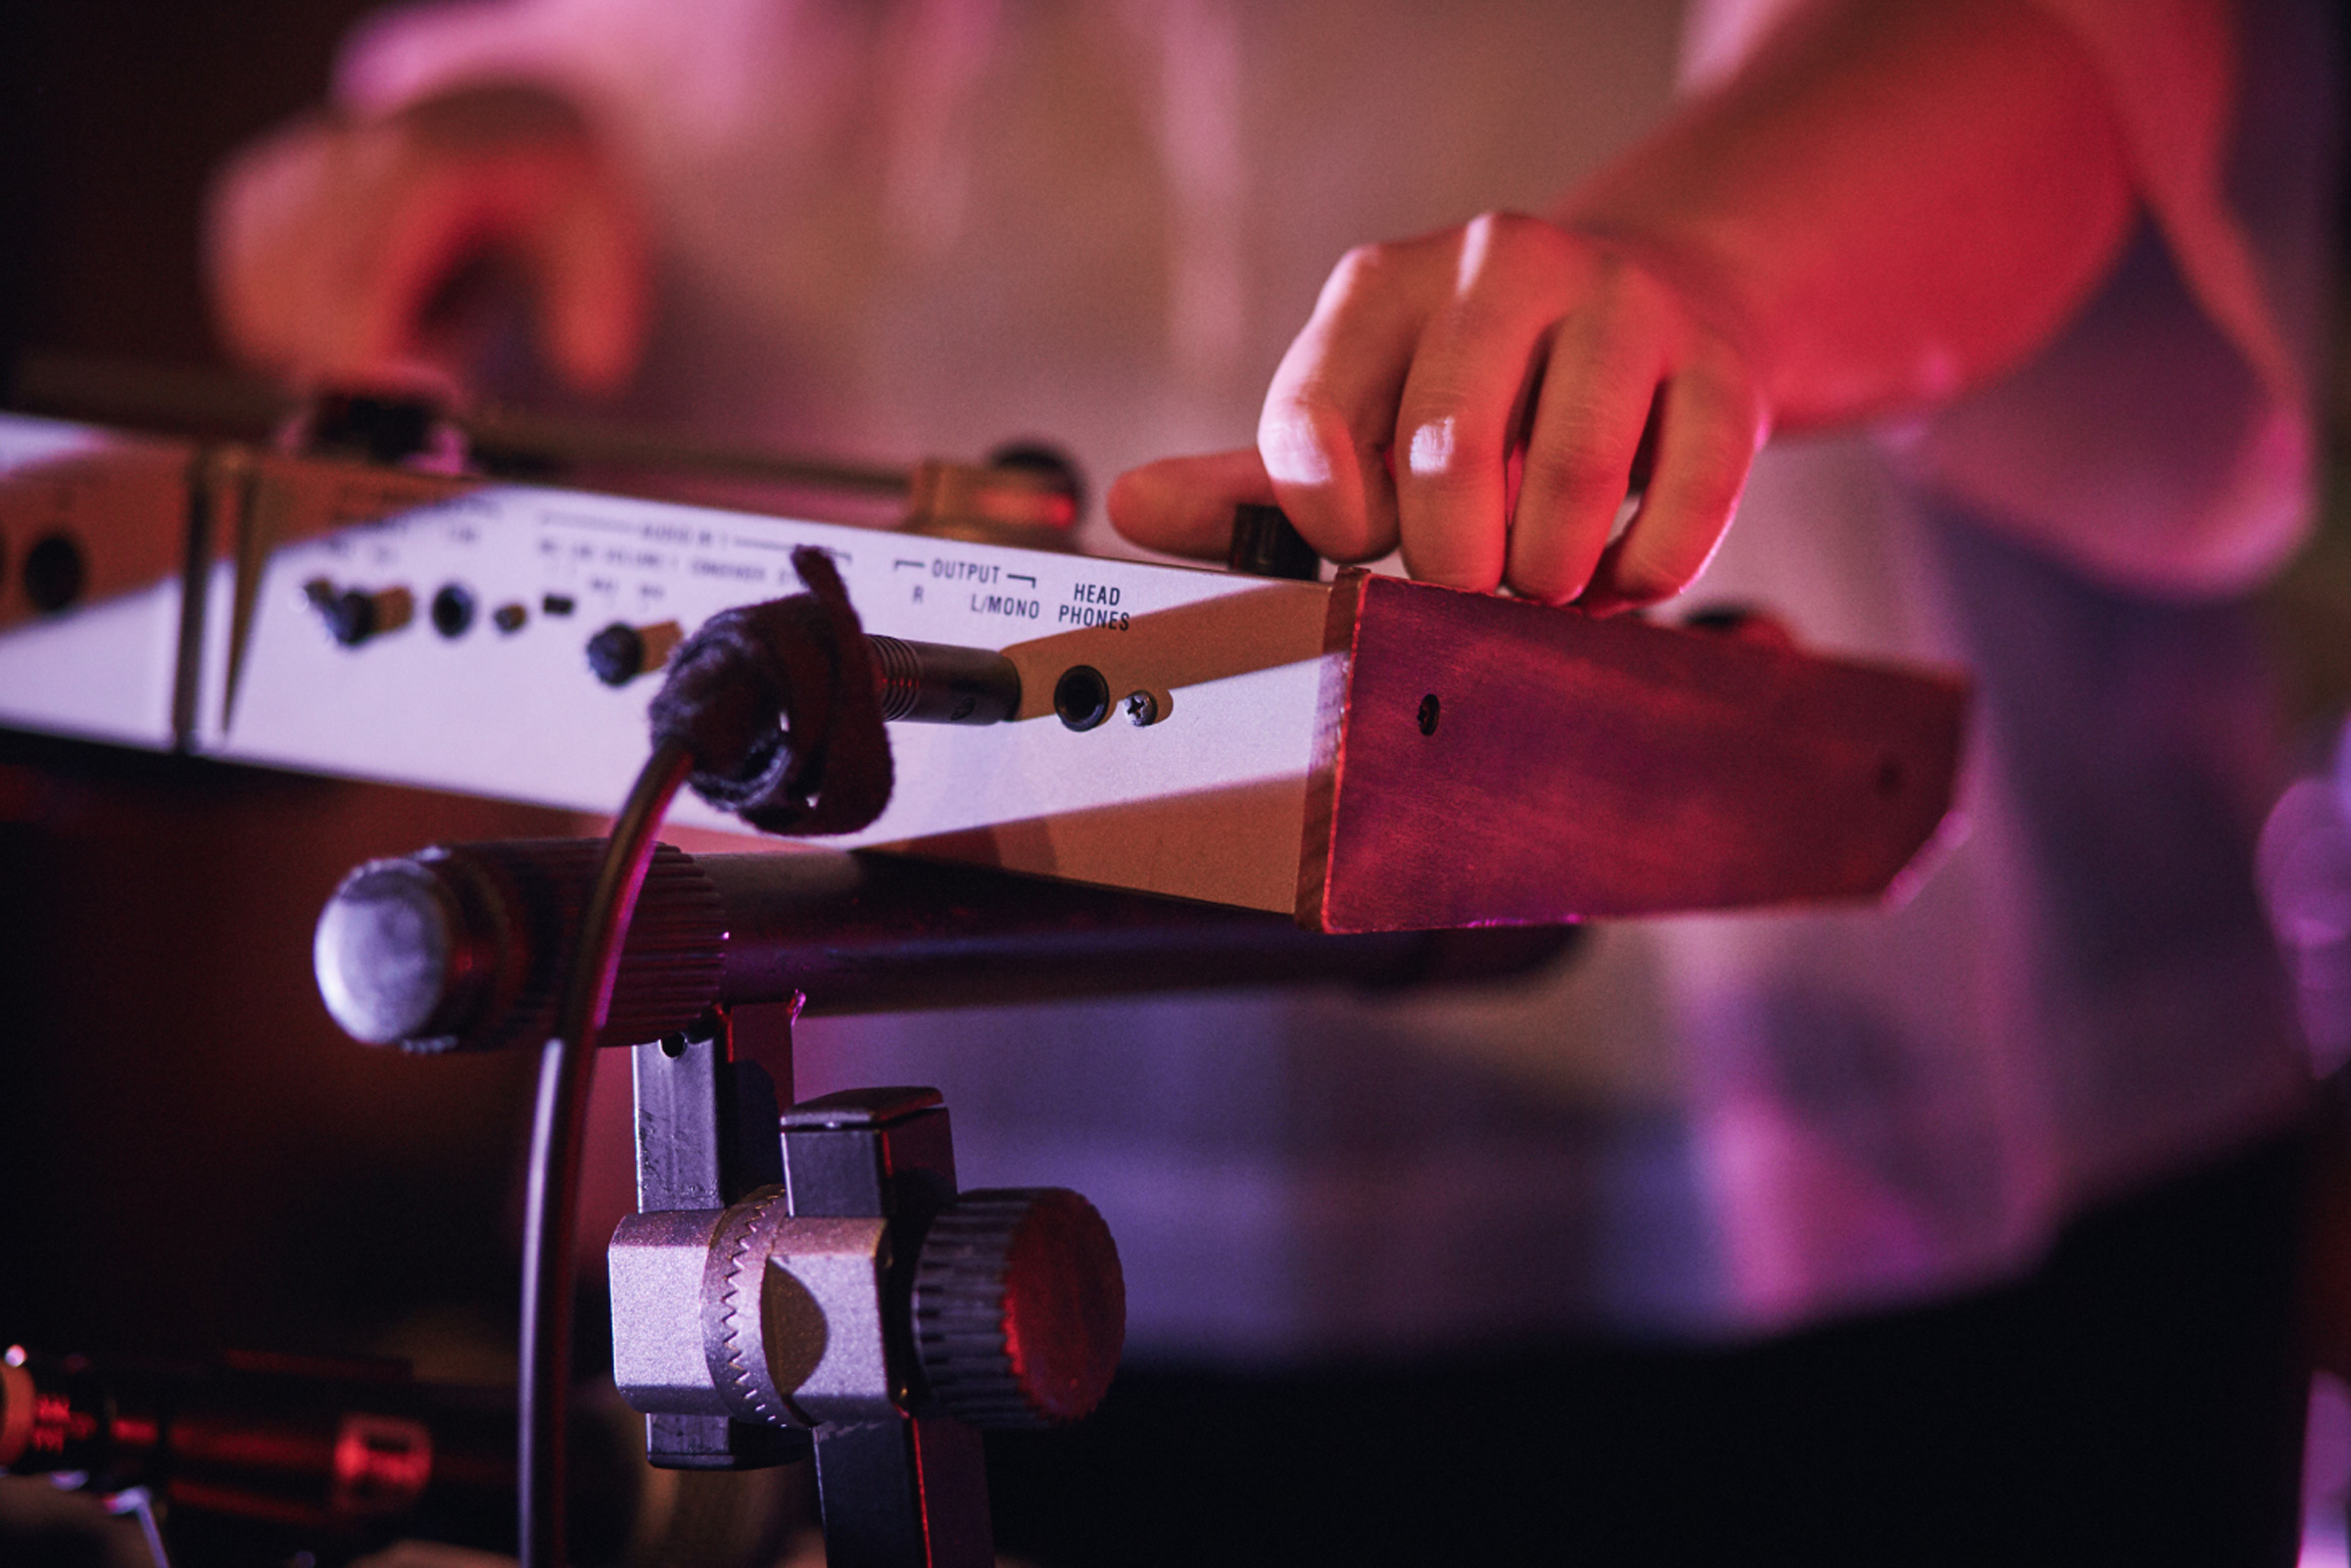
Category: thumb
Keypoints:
(1184, 505)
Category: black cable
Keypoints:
(775, 713)
(551, 1200)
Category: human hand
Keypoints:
(335, 248)
(1480, 396)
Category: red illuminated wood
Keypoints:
(1500, 762)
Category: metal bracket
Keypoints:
(900, 1487)
(706, 1135)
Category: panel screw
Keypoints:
(1141, 708)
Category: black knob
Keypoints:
(1265, 544)
(370, 426)
(1048, 462)
(452, 610)
(617, 654)
(54, 573)
(352, 617)
(1019, 1309)
(1744, 623)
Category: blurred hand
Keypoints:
(1478, 397)
(337, 248)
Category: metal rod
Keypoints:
(501, 434)
(436, 952)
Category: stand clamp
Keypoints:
(831, 1293)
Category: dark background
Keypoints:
(191, 1156)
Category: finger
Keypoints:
(255, 234)
(1602, 375)
(1330, 413)
(434, 218)
(587, 262)
(1712, 425)
(1184, 505)
(1471, 376)
(388, 264)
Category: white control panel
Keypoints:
(446, 645)
(1366, 754)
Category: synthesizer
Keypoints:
(1362, 753)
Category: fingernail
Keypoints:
(1293, 457)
